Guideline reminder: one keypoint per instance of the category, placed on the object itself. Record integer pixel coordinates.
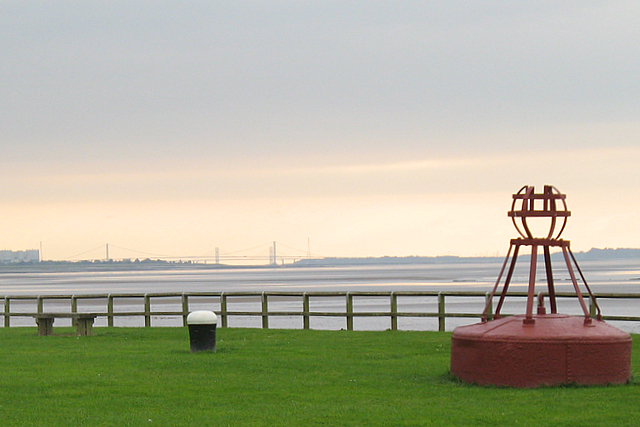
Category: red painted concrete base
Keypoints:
(556, 349)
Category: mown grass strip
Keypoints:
(148, 377)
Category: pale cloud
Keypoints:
(423, 207)
(373, 128)
(593, 168)
(120, 80)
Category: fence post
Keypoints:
(305, 311)
(265, 310)
(349, 311)
(74, 304)
(147, 311)
(110, 310)
(40, 304)
(185, 308)
(489, 304)
(593, 312)
(394, 311)
(223, 309)
(7, 312)
(441, 312)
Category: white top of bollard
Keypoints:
(203, 317)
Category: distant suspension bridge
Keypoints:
(271, 253)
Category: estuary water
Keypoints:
(602, 276)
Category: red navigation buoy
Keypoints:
(538, 349)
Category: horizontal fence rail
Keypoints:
(270, 305)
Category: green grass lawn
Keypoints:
(148, 377)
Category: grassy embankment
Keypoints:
(148, 377)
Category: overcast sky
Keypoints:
(368, 128)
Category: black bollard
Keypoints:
(202, 330)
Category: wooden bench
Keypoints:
(82, 321)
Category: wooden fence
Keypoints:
(270, 305)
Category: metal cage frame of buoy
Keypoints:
(549, 204)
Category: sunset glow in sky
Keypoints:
(367, 128)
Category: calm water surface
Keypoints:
(609, 276)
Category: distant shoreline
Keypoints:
(594, 254)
